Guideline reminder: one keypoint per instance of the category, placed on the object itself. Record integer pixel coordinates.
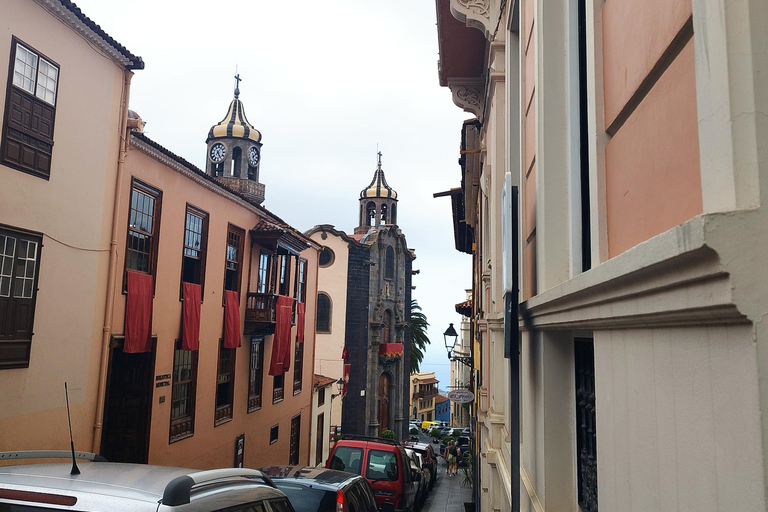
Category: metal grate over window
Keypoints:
(586, 442)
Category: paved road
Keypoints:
(448, 495)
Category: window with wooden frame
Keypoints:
(183, 393)
(298, 367)
(265, 259)
(225, 384)
(30, 111)
(195, 245)
(143, 228)
(285, 275)
(255, 373)
(301, 281)
(321, 396)
(278, 383)
(19, 268)
(233, 271)
(323, 323)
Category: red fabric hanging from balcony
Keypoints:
(138, 313)
(231, 319)
(300, 322)
(281, 341)
(190, 317)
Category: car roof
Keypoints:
(136, 481)
(133, 486)
(416, 446)
(321, 478)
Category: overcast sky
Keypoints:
(325, 83)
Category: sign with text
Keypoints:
(461, 396)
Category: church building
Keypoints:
(363, 314)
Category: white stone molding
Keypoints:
(673, 279)
(468, 94)
(474, 13)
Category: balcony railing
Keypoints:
(260, 313)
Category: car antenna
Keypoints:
(75, 469)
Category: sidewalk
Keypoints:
(448, 494)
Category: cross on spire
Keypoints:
(237, 85)
(379, 159)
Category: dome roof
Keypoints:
(235, 124)
(378, 186)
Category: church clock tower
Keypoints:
(234, 151)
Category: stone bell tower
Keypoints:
(378, 203)
(234, 151)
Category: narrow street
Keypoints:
(448, 495)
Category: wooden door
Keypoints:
(320, 439)
(125, 437)
(293, 457)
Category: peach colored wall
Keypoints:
(529, 151)
(653, 181)
(212, 446)
(73, 211)
(635, 34)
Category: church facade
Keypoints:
(363, 320)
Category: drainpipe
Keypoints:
(110, 297)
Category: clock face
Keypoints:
(218, 152)
(253, 156)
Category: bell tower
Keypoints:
(378, 203)
(234, 151)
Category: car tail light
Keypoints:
(339, 501)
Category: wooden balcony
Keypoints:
(260, 313)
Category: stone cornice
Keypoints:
(673, 279)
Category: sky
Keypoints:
(328, 84)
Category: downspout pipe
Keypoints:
(112, 272)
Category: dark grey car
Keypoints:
(322, 490)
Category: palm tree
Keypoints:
(419, 339)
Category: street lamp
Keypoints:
(340, 386)
(450, 336)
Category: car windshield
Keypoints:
(382, 466)
(347, 458)
(307, 499)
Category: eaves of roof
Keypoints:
(71, 14)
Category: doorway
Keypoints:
(293, 457)
(128, 405)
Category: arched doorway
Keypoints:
(383, 401)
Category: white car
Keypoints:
(104, 485)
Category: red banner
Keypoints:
(300, 322)
(231, 319)
(190, 317)
(281, 341)
(138, 313)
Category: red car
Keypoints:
(384, 464)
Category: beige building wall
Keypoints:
(675, 296)
(332, 280)
(212, 446)
(73, 212)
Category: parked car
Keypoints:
(446, 431)
(384, 463)
(102, 485)
(322, 490)
(429, 459)
(427, 426)
(462, 443)
(420, 476)
(465, 432)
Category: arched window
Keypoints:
(384, 214)
(386, 333)
(389, 266)
(236, 162)
(393, 214)
(370, 210)
(323, 313)
(327, 257)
